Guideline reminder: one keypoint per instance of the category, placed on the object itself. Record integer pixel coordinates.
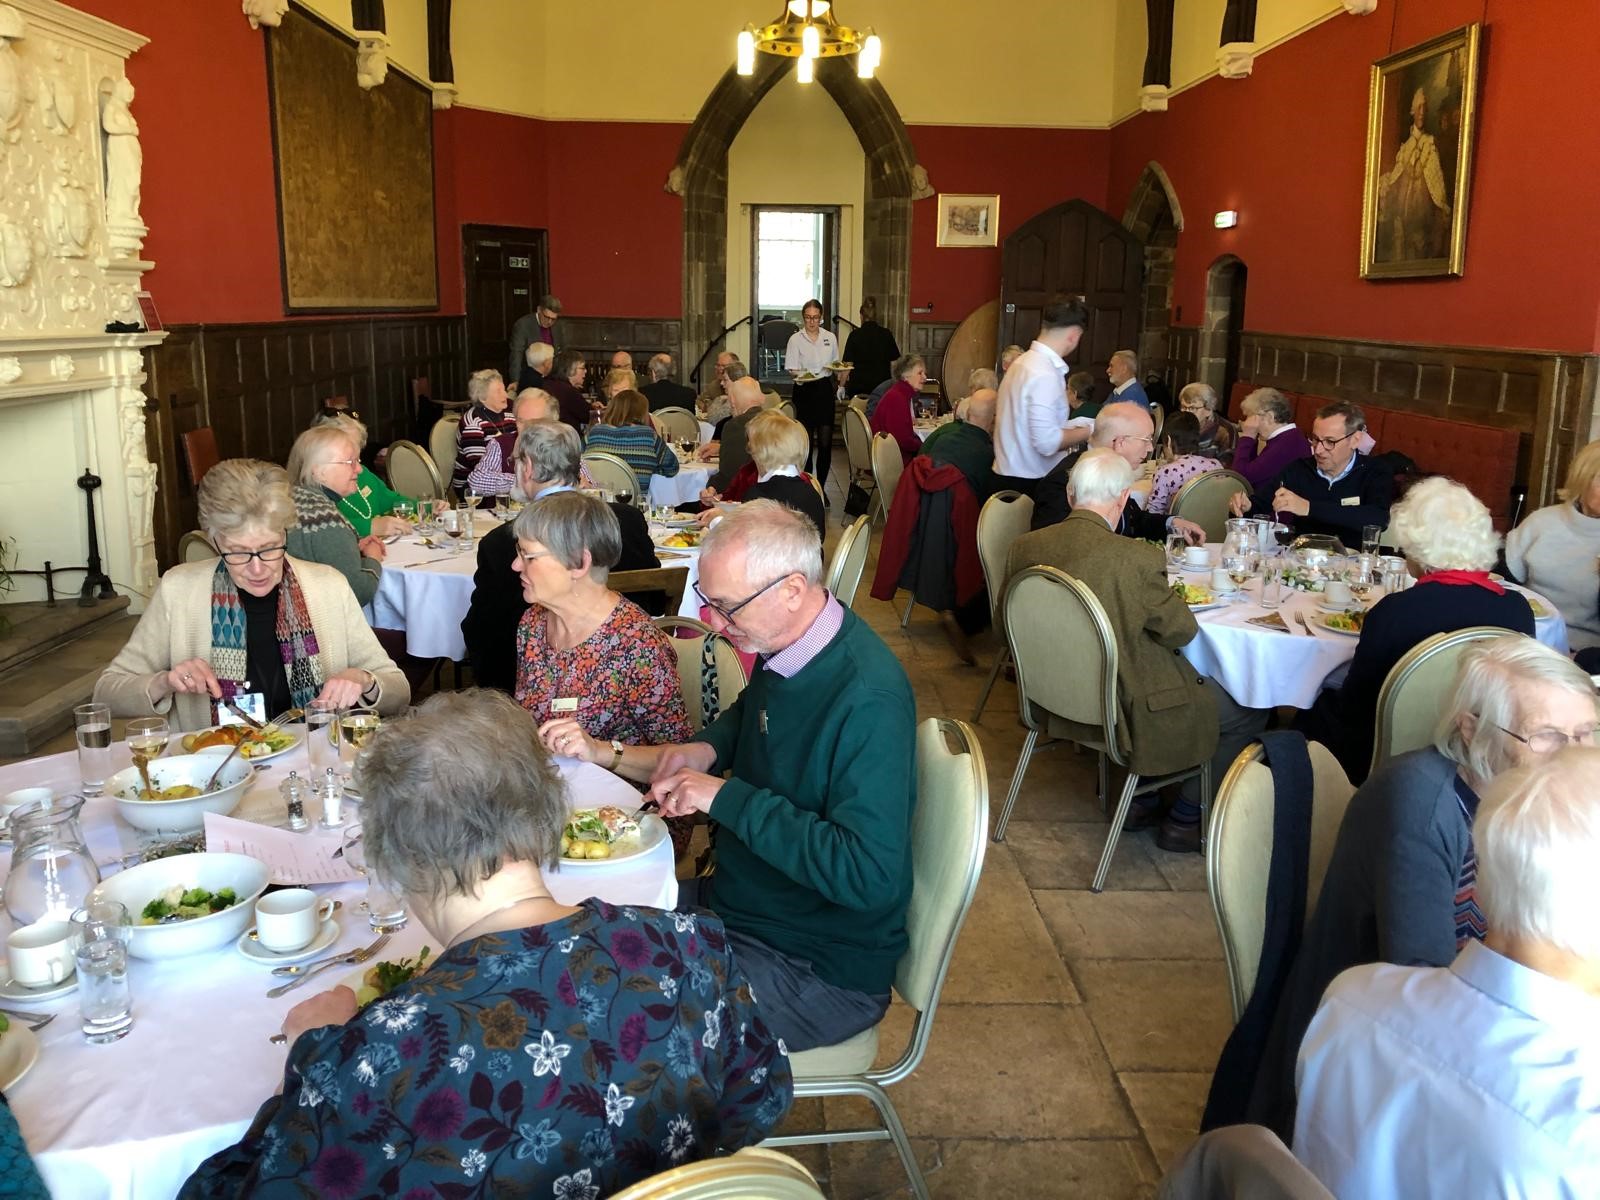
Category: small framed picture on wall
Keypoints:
(968, 220)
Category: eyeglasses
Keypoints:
(535, 556)
(1138, 437)
(1330, 443)
(1198, 407)
(1548, 741)
(727, 614)
(342, 462)
(241, 558)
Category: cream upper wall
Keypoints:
(796, 149)
(407, 22)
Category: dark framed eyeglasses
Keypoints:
(1330, 443)
(728, 614)
(241, 558)
(1548, 741)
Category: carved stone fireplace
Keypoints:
(70, 245)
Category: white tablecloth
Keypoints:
(133, 1119)
(682, 488)
(1264, 668)
(425, 590)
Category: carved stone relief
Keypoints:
(265, 12)
(372, 59)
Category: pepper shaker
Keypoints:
(294, 797)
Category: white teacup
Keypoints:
(287, 921)
(1337, 591)
(1197, 556)
(1220, 583)
(41, 954)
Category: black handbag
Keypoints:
(856, 501)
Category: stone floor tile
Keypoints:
(1058, 855)
(1162, 1016)
(1130, 925)
(1168, 1105)
(996, 1169)
(1183, 872)
(1004, 954)
(1001, 1070)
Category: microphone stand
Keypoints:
(710, 346)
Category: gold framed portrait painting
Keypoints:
(1421, 117)
(968, 220)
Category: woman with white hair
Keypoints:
(1555, 549)
(536, 365)
(549, 1049)
(1400, 882)
(1217, 434)
(368, 505)
(897, 411)
(487, 420)
(1269, 440)
(324, 465)
(1450, 546)
(288, 628)
(778, 446)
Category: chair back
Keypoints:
(678, 424)
(775, 334)
(412, 472)
(786, 407)
(1204, 500)
(671, 580)
(949, 833)
(770, 399)
(887, 466)
(200, 452)
(611, 473)
(1414, 689)
(860, 401)
(1004, 517)
(195, 546)
(1239, 854)
(753, 1171)
(843, 575)
(724, 674)
(1065, 654)
(1158, 415)
(857, 441)
(443, 440)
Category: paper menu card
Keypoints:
(292, 858)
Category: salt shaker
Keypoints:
(332, 800)
(294, 797)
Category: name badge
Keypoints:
(254, 703)
(762, 721)
(564, 704)
(1350, 501)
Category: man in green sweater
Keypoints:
(813, 839)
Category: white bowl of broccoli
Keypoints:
(189, 903)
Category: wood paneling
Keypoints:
(929, 339)
(1182, 357)
(258, 386)
(598, 338)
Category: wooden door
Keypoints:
(1074, 249)
(507, 271)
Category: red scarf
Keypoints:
(1463, 578)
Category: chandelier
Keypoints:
(807, 30)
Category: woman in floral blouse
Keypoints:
(1183, 461)
(550, 1050)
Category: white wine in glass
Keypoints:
(148, 738)
(357, 726)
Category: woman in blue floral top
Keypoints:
(550, 1050)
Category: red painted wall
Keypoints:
(1286, 148)
(1030, 169)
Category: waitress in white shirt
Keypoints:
(810, 352)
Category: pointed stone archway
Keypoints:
(700, 176)
(1155, 217)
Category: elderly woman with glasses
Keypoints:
(1217, 434)
(549, 1049)
(369, 504)
(1450, 545)
(1400, 883)
(324, 465)
(291, 630)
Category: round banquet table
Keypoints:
(133, 1119)
(684, 487)
(1265, 668)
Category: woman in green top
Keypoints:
(369, 506)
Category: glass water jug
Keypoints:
(52, 871)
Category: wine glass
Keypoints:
(385, 909)
(147, 738)
(356, 727)
(1176, 544)
(1362, 575)
(405, 510)
(453, 521)
(1240, 570)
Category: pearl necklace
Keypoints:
(366, 505)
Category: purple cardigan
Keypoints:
(1266, 467)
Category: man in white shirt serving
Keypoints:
(1033, 429)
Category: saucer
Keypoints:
(1197, 568)
(256, 952)
(1328, 606)
(21, 993)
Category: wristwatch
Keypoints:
(371, 689)
(616, 755)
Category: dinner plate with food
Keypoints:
(683, 539)
(259, 746)
(840, 365)
(1347, 623)
(19, 1050)
(1198, 597)
(1541, 611)
(596, 836)
(381, 978)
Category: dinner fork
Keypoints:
(351, 959)
(33, 1021)
(1305, 624)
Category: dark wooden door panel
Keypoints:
(507, 272)
(1074, 249)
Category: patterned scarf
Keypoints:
(1470, 925)
(297, 640)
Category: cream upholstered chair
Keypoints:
(412, 472)
(1004, 517)
(1065, 654)
(887, 467)
(443, 440)
(677, 424)
(770, 399)
(195, 546)
(1409, 700)
(860, 401)
(786, 407)
(947, 846)
(1239, 854)
(754, 1171)
(1158, 417)
(612, 473)
(1204, 500)
(728, 677)
(858, 449)
(843, 575)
